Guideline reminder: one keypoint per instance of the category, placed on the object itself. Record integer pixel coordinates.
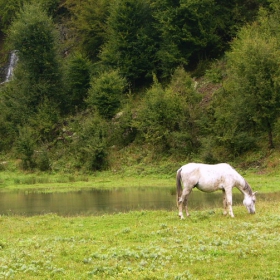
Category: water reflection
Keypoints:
(96, 202)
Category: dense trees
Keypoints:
(144, 37)
(88, 23)
(31, 102)
(77, 82)
(254, 68)
(131, 42)
(103, 74)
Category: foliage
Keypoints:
(110, 47)
(230, 128)
(88, 23)
(8, 11)
(77, 82)
(33, 36)
(123, 127)
(131, 40)
(166, 116)
(195, 30)
(90, 146)
(25, 147)
(45, 121)
(254, 69)
(42, 160)
(106, 93)
(36, 93)
(186, 28)
(7, 132)
(14, 112)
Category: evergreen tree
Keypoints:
(106, 92)
(131, 43)
(33, 35)
(77, 80)
(88, 22)
(35, 95)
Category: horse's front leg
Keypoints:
(186, 207)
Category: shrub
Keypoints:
(42, 160)
(106, 93)
(77, 82)
(90, 144)
(25, 146)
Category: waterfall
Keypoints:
(12, 63)
(10, 67)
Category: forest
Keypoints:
(102, 84)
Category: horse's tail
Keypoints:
(179, 185)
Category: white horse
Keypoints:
(210, 178)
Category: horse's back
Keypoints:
(210, 177)
(190, 167)
(220, 167)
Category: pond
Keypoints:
(98, 202)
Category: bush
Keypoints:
(124, 131)
(77, 82)
(25, 147)
(42, 160)
(160, 117)
(90, 147)
(106, 93)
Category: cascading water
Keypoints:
(10, 68)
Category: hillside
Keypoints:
(140, 87)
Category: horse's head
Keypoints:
(249, 202)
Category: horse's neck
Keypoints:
(245, 188)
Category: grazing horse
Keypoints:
(210, 178)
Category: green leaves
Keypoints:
(77, 82)
(254, 69)
(106, 93)
(131, 41)
(166, 117)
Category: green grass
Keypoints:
(143, 245)
(139, 244)
(43, 182)
(47, 182)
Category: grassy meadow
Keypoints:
(138, 244)
(143, 245)
(52, 182)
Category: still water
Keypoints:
(96, 202)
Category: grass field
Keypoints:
(140, 244)
(143, 245)
(47, 182)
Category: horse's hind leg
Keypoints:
(183, 201)
(224, 202)
(228, 203)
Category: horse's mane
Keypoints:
(247, 188)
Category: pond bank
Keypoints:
(49, 183)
